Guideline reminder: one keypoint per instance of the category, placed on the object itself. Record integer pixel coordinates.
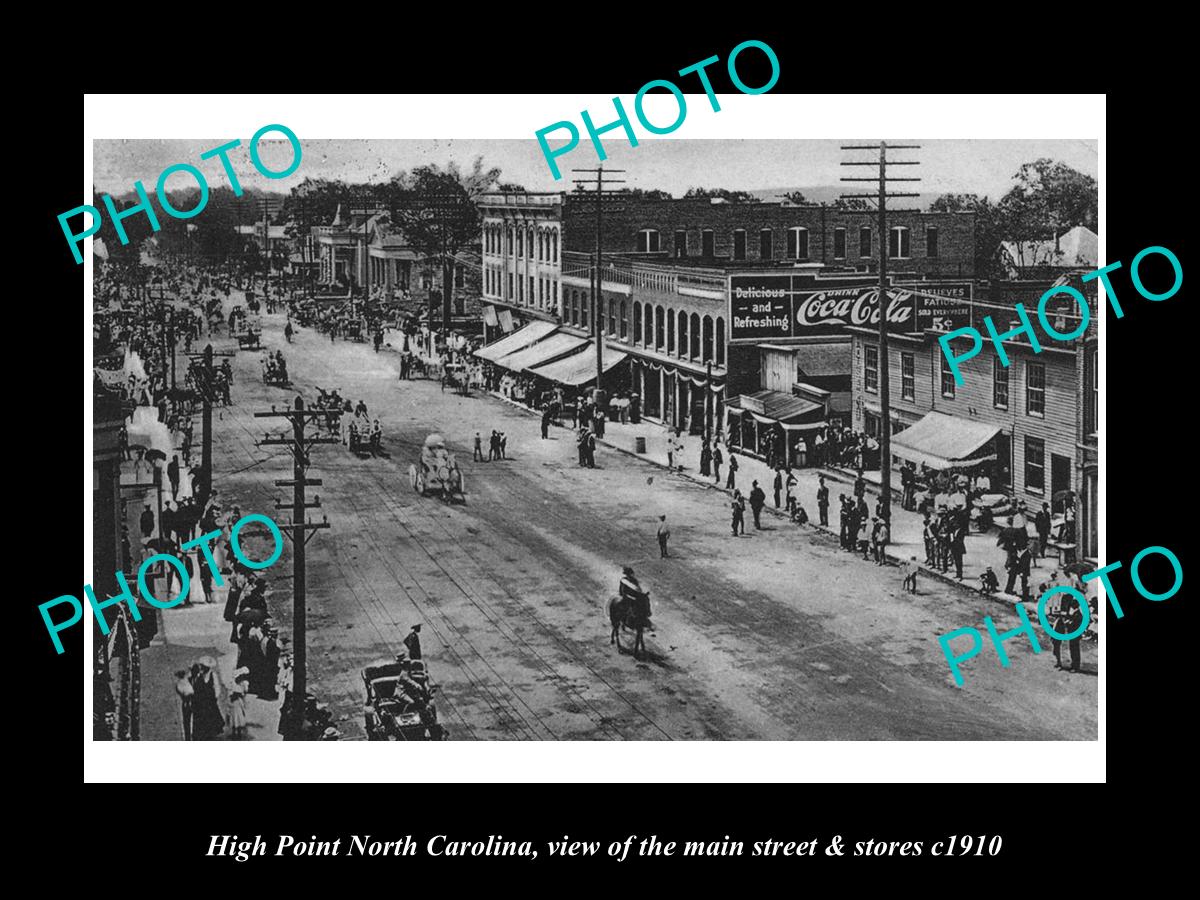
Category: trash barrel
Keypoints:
(639, 444)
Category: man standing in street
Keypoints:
(1065, 616)
(1041, 522)
(778, 485)
(412, 642)
(958, 543)
(478, 448)
(758, 499)
(731, 481)
(823, 501)
(738, 508)
(546, 423)
(173, 476)
(591, 449)
(717, 459)
(664, 532)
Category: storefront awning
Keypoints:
(580, 367)
(548, 349)
(944, 442)
(770, 407)
(518, 340)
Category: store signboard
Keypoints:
(774, 307)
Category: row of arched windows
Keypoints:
(522, 241)
(685, 335)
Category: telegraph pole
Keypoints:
(598, 281)
(203, 376)
(881, 198)
(301, 533)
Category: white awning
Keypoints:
(580, 367)
(518, 340)
(945, 442)
(554, 347)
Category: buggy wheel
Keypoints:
(421, 485)
(412, 477)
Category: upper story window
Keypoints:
(864, 242)
(871, 368)
(648, 241)
(708, 246)
(797, 247)
(765, 244)
(908, 379)
(947, 377)
(1035, 389)
(739, 244)
(681, 248)
(931, 242)
(899, 243)
(839, 243)
(999, 384)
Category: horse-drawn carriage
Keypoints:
(457, 377)
(248, 331)
(274, 369)
(437, 470)
(399, 702)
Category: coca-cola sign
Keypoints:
(852, 306)
(773, 307)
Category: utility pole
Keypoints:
(301, 533)
(597, 268)
(204, 378)
(881, 198)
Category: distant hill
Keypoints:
(829, 194)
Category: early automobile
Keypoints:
(437, 470)
(399, 702)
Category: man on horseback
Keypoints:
(630, 608)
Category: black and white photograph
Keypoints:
(417, 442)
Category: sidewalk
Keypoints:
(907, 528)
(186, 633)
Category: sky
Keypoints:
(964, 166)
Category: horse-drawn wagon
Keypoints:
(437, 470)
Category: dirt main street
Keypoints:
(775, 635)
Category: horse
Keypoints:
(621, 613)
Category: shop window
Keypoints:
(999, 384)
(871, 369)
(1035, 465)
(839, 243)
(908, 379)
(1035, 389)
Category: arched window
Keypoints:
(720, 341)
(624, 326)
(612, 316)
(637, 322)
(797, 247)
(648, 241)
(585, 302)
(694, 333)
(898, 243)
(510, 235)
(554, 246)
(682, 338)
(670, 331)
(706, 354)
(659, 328)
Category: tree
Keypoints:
(436, 209)
(852, 204)
(643, 194)
(509, 187)
(699, 193)
(1048, 199)
(797, 198)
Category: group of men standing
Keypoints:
(945, 535)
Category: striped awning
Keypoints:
(942, 441)
(548, 349)
(769, 407)
(580, 367)
(518, 340)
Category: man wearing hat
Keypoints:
(413, 642)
